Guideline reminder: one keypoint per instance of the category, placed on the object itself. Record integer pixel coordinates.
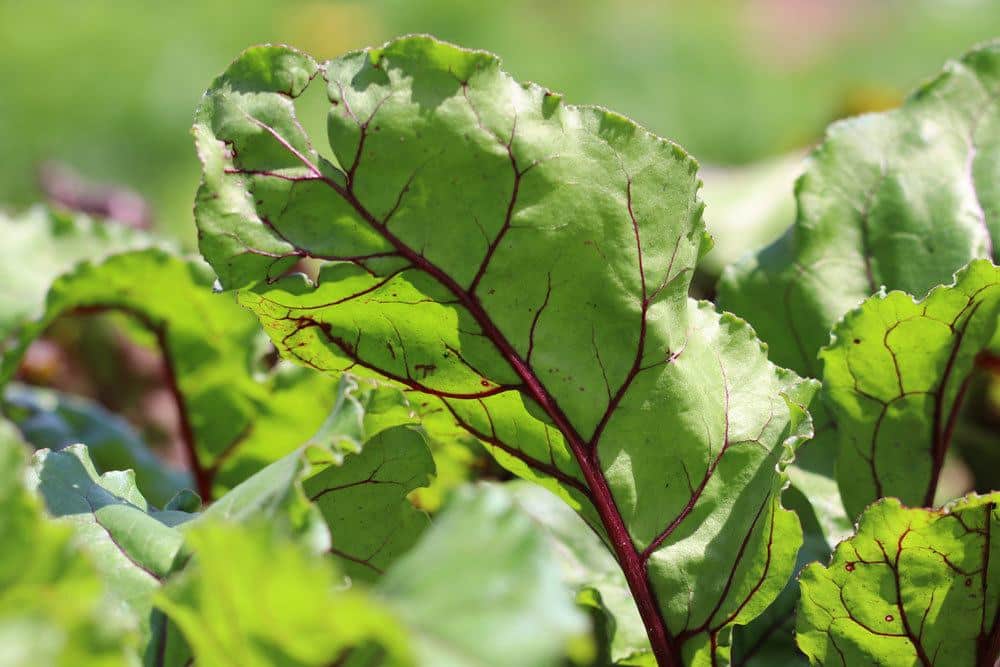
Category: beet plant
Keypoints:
(466, 261)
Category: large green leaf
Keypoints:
(912, 587)
(525, 263)
(134, 545)
(894, 378)
(235, 417)
(40, 245)
(53, 610)
(901, 199)
(52, 420)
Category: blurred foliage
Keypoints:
(109, 87)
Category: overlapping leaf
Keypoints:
(480, 588)
(526, 264)
(913, 587)
(235, 418)
(134, 545)
(253, 600)
(587, 568)
(894, 377)
(346, 490)
(53, 610)
(901, 199)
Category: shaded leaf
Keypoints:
(345, 491)
(894, 377)
(50, 419)
(526, 263)
(913, 586)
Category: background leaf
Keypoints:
(914, 586)
(894, 378)
(52, 420)
(236, 416)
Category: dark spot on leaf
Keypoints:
(849, 567)
(857, 341)
(968, 581)
(485, 383)
(888, 618)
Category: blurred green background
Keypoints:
(108, 88)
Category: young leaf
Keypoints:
(52, 605)
(526, 263)
(364, 501)
(40, 245)
(134, 546)
(913, 586)
(234, 420)
(52, 420)
(901, 199)
(894, 378)
(345, 491)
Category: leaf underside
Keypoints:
(525, 264)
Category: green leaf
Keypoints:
(586, 566)
(894, 378)
(526, 263)
(134, 546)
(345, 491)
(52, 420)
(250, 599)
(235, 418)
(41, 244)
(53, 610)
(913, 586)
(770, 638)
(364, 501)
(901, 199)
(482, 588)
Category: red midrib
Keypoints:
(633, 565)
